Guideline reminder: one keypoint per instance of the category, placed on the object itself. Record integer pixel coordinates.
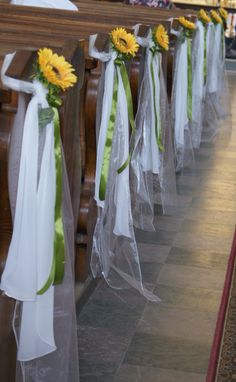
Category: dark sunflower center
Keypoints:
(56, 71)
(123, 42)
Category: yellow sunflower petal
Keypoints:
(161, 37)
(186, 24)
(124, 42)
(223, 13)
(216, 17)
(55, 69)
(202, 15)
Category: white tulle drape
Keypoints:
(180, 120)
(198, 46)
(217, 102)
(114, 253)
(152, 169)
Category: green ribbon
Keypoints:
(58, 262)
(111, 126)
(205, 54)
(158, 131)
(190, 85)
(223, 42)
(108, 143)
(126, 84)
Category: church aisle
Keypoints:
(123, 338)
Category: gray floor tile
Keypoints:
(129, 373)
(202, 241)
(191, 277)
(210, 229)
(168, 353)
(185, 298)
(175, 322)
(153, 252)
(160, 237)
(201, 259)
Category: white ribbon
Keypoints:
(58, 4)
(31, 250)
(181, 93)
(198, 65)
(214, 47)
(122, 192)
(150, 155)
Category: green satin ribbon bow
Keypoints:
(58, 262)
(111, 125)
(158, 130)
(190, 84)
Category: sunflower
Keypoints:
(124, 42)
(160, 37)
(186, 24)
(203, 16)
(55, 69)
(216, 17)
(223, 13)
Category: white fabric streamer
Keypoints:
(181, 124)
(213, 73)
(151, 162)
(31, 250)
(198, 84)
(181, 114)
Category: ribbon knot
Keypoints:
(39, 91)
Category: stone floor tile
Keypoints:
(207, 215)
(168, 353)
(167, 223)
(216, 229)
(191, 277)
(205, 300)
(214, 203)
(200, 259)
(153, 252)
(175, 322)
(202, 241)
(129, 373)
(161, 237)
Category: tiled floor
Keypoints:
(122, 337)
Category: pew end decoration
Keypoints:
(199, 63)
(217, 102)
(182, 107)
(40, 253)
(56, 75)
(152, 163)
(114, 253)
